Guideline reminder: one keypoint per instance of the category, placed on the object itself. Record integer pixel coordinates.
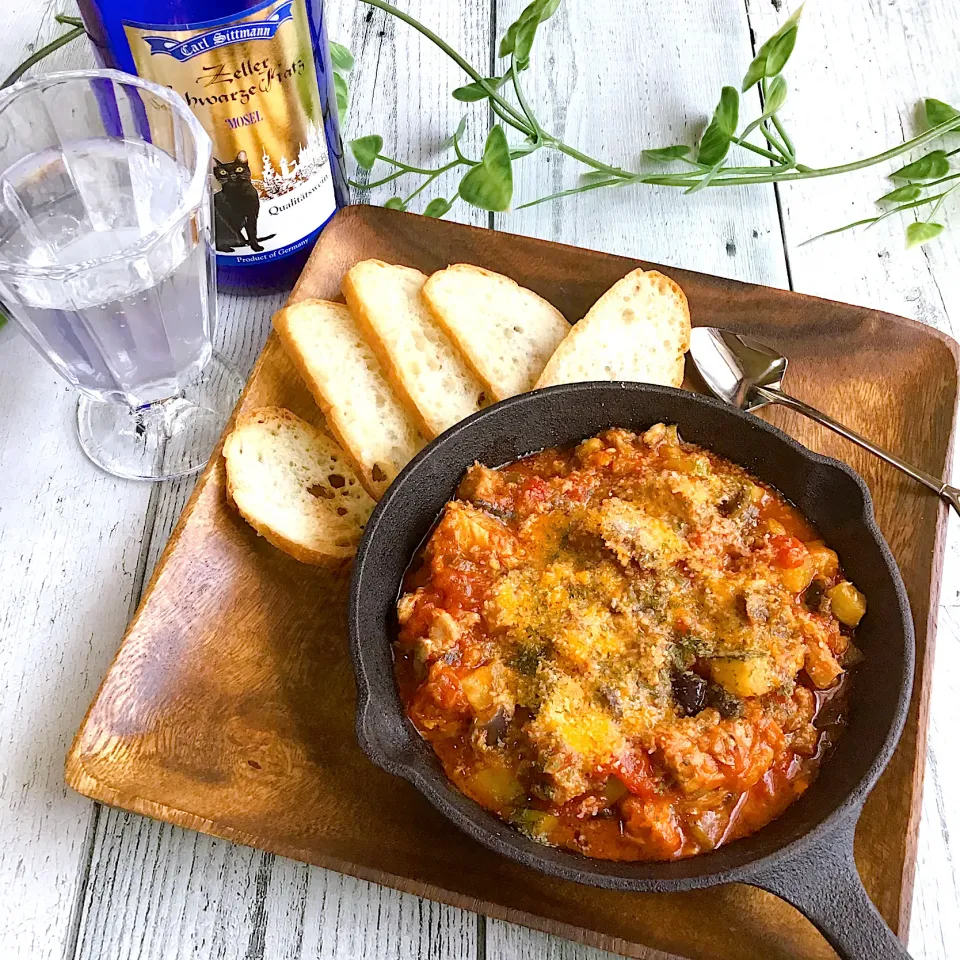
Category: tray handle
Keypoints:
(824, 885)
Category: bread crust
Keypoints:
(581, 330)
(330, 553)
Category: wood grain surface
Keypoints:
(229, 708)
(97, 883)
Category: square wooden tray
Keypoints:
(230, 705)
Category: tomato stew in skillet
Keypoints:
(629, 648)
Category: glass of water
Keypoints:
(106, 263)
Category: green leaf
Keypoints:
(779, 53)
(845, 227)
(776, 96)
(548, 8)
(509, 39)
(456, 136)
(931, 167)
(524, 44)
(489, 185)
(343, 96)
(706, 179)
(756, 71)
(666, 154)
(518, 150)
(530, 17)
(909, 191)
(437, 207)
(473, 92)
(938, 112)
(365, 150)
(594, 176)
(715, 143)
(922, 232)
(341, 57)
(395, 203)
(774, 53)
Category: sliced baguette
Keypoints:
(423, 366)
(347, 381)
(638, 330)
(294, 486)
(505, 332)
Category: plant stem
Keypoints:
(590, 161)
(753, 148)
(523, 128)
(406, 167)
(431, 174)
(786, 147)
(522, 100)
(426, 183)
(771, 138)
(357, 185)
(40, 54)
(943, 196)
(787, 142)
(934, 183)
(571, 191)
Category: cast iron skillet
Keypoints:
(805, 856)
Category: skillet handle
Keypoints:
(823, 884)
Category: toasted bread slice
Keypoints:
(347, 381)
(429, 375)
(638, 330)
(294, 486)
(505, 332)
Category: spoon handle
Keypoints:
(944, 490)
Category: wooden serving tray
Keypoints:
(230, 705)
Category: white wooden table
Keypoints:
(77, 546)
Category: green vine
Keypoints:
(487, 182)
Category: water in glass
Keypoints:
(132, 328)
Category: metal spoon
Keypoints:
(747, 374)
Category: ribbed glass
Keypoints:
(105, 255)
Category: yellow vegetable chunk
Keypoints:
(494, 787)
(848, 603)
(797, 579)
(824, 560)
(752, 677)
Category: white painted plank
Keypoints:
(169, 894)
(614, 79)
(69, 544)
(155, 891)
(401, 91)
(856, 75)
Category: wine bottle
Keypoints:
(258, 76)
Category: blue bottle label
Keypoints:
(252, 83)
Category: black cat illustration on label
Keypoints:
(252, 82)
(236, 206)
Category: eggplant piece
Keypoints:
(723, 701)
(689, 690)
(813, 596)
